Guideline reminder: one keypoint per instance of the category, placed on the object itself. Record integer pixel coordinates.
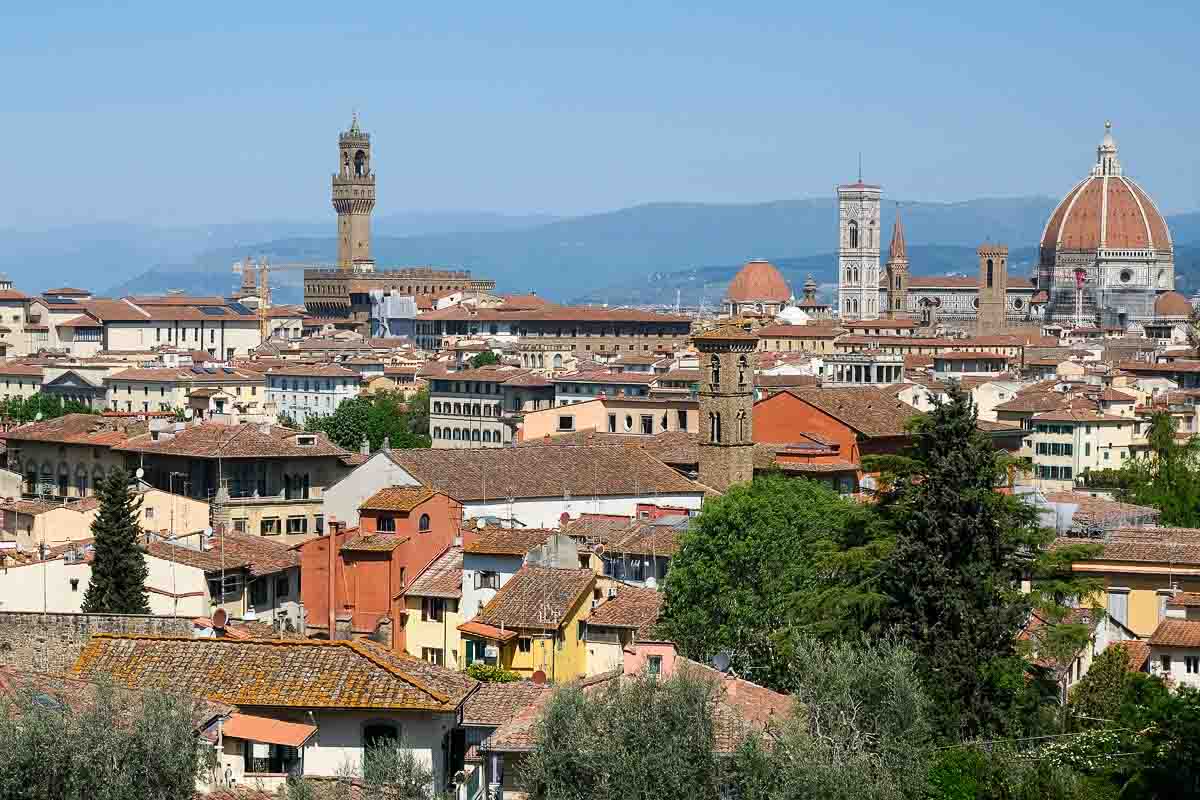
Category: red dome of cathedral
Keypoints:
(1106, 211)
(758, 281)
(1172, 304)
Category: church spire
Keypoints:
(898, 251)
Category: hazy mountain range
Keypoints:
(638, 254)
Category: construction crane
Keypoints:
(249, 267)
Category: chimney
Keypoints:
(365, 447)
(331, 546)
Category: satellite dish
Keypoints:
(539, 678)
(38, 417)
(141, 473)
(651, 582)
(480, 523)
(188, 413)
(721, 661)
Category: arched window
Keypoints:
(743, 368)
(558, 362)
(423, 524)
(741, 425)
(989, 273)
(360, 164)
(455, 435)
(457, 408)
(856, 279)
(476, 436)
(715, 366)
(487, 436)
(853, 234)
(714, 423)
(437, 433)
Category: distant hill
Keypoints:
(580, 255)
(599, 255)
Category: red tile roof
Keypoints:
(758, 280)
(88, 429)
(397, 498)
(1176, 633)
(633, 607)
(291, 673)
(537, 598)
(507, 541)
(259, 555)
(244, 440)
(442, 578)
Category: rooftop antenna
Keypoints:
(860, 166)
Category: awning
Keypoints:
(264, 729)
(485, 631)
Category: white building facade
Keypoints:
(858, 251)
(308, 390)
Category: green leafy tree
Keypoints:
(1102, 690)
(379, 416)
(953, 577)
(491, 673)
(862, 730)
(486, 358)
(48, 406)
(1168, 762)
(767, 560)
(119, 571)
(1169, 480)
(68, 744)
(639, 737)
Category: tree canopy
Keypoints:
(486, 358)
(761, 564)
(49, 406)
(378, 416)
(1169, 480)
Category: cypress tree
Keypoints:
(119, 571)
(954, 576)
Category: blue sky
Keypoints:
(225, 112)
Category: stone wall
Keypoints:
(51, 643)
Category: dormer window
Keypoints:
(306, 441)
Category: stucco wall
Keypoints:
(546, 512)
(342, 499)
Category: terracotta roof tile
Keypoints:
(88, 429)
(869, 411)
(1176, 633)
(497, 703)
(1138, 652)
(442, 578)
(1185, 600)
(373, 543)
(526, 472)
(537, 598)
(292, 673)
(506, 541)
(633, 607)
(397, 498)
(244, 440)
(230, 551)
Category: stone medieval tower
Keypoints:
(858, 251)
(726, 406)
(993, 289)
(897, 273)
(354, 197)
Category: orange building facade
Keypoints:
(401, 531)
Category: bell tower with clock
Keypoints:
(858, 250)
